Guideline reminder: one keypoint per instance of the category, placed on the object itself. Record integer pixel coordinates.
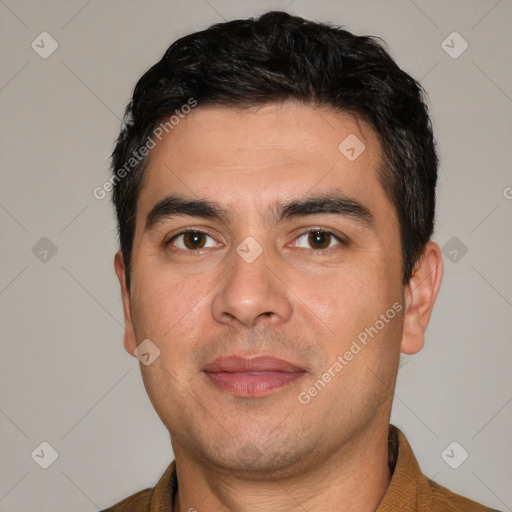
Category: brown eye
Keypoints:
(318, 239)
(192, 241)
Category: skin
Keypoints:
(293, 302)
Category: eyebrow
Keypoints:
(174, 206)
(330, 203)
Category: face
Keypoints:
(267, 270)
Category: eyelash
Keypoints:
(307, 232)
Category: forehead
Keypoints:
(255, 157)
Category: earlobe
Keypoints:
(420, 297)
(130, 341)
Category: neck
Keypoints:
(353, 479)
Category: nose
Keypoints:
(252, 293)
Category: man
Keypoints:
(275, 187)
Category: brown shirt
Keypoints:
(409, 490)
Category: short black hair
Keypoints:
(278, 57)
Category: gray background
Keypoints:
(65, 377)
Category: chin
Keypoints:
(255, 457)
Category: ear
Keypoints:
(420, 296)
(130, 341)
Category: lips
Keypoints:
(251, 376)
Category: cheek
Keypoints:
(346, 298)
(172, 309)
(349, 303)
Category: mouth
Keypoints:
(251, 376)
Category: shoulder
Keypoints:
(159, 497)
(410, 489)
(447, 501)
